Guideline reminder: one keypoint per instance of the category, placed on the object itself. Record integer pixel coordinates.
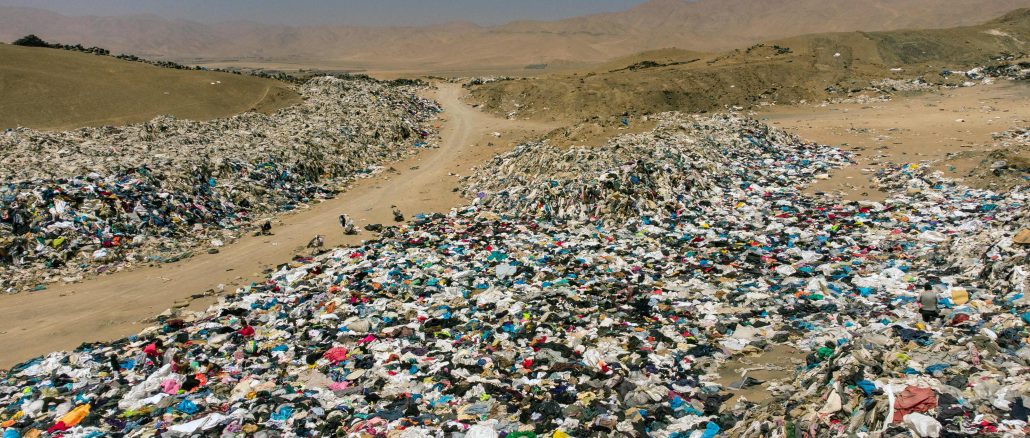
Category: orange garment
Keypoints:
(69, 420)
(75, 416)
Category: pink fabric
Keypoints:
(170, 386)
(336, 354)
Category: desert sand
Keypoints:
(933, 125)
(57, 89)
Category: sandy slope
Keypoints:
(114, 306)
(45, 88)
(801, 68)
(906, 130)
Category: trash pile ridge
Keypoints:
(652, 176)
(94, 200)
(492, 322)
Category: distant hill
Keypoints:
(47, 88)
(779, 71)
(702, 25)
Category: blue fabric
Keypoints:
(866, 386)
(711, 430)
(283, 414)
(187, 407)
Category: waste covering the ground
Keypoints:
(597, 292)
(96, 200)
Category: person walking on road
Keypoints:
(316, 244)
(347, 225)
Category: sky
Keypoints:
(345, 12)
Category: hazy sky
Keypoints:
(370, 12)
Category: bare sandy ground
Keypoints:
(54, 89)
(118, 305)
(778, 362)
(906, 129)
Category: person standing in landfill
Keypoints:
(928, 308)
(347, 225)
(153, 351)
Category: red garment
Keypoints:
(336, 355)
(913, 399)
(247, 331)
(58, 427)
(151, 350)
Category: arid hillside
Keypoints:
(47, 88)
(807, 67)
(702, 25)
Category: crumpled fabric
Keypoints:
(923, 425)
(622, 322)
(913, 399)
(106, 198)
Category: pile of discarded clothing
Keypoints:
(685, 163)
(100, 199)
(499, 320)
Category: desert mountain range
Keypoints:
(701, 25)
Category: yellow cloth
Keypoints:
(75, 416)
(959, 296)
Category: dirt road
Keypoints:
(115, 306)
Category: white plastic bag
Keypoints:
(922, 425)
